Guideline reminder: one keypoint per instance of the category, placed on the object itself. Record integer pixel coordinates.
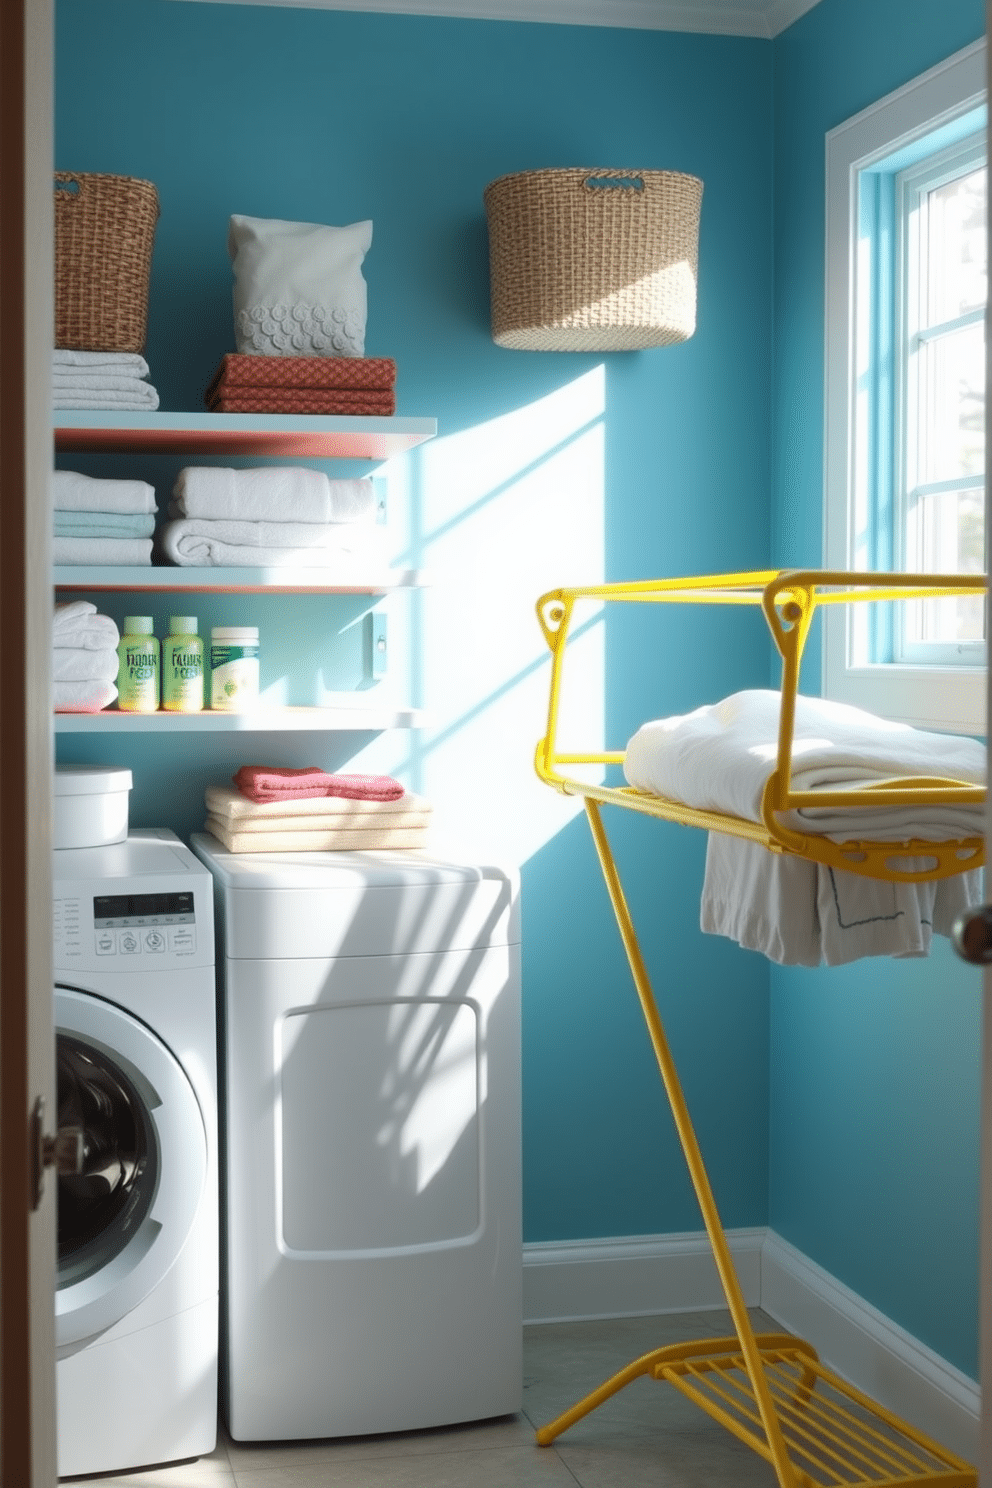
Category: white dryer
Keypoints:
(370, 1128)
(137, 1287)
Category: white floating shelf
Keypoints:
(265, 434)
(236, 580)
(340, 717)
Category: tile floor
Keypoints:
(649, 1434)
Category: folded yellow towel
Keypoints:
(402, 821)
(333, 839)
(227, 804)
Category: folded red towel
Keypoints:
(276, 783)
(237, 370)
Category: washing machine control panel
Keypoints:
(126, 930)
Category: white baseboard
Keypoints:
(578, 1279)
(569, 1280)
(866, 1348)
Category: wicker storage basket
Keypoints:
(104, 233)
(593, 260)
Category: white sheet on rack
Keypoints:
(790, 909)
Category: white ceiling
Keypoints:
(764, 18)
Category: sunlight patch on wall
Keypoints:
(498, 514)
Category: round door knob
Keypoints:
(972, 935)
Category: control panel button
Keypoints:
(154, 942)
(182, 940)
(106, 943)
(128, 943)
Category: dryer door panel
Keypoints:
(125, 1219)
(403, 1168)
(373, 1192)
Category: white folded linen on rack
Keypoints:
(791, 909)
(129, 362)
(82, 664)
(73, 491)
(82, 697)
(719, 758)
(103, 524)
(274, 493)
(350, 548)
(99, 551)
(78, 624)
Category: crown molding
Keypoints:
(759, 18)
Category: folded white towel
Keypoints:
(69, 615)
(98, 380)
(336, 537)
(78, 624)
(349, 550)
(228, 804)
(80, 664)
(109, 361)
(719, 757)
(274, 493)
(141, 397)
(102, 550)
(791, 909)
(363, 839)
(82, 697)
(73, 491)
(103, 524)
(801, 913)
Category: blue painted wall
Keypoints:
(874, 1084)
(548, 469)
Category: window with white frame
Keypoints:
(905, 392)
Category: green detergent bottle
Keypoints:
(137, 678)
(182, 666)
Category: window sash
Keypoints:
(950, 98)
(926, 518)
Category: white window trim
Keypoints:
(947, 698)
(912, 187)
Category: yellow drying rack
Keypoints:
(768, 1389)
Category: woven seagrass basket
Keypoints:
(104, 235)
(593, 260)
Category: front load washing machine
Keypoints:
(370, 1127)
(137, 1286)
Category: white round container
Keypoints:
(91, 805)
(233, 668)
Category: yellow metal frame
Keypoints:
(789, 600)
(769, 1390)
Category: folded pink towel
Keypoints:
(276, 783)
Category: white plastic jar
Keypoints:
(233, 668)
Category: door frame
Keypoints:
(27, 1235)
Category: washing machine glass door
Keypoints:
(124, 1219)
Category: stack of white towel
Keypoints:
(792, 909)
(273, 517)
(84, 658)
(102, 379)
(101, 521)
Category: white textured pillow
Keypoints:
(298, 287)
